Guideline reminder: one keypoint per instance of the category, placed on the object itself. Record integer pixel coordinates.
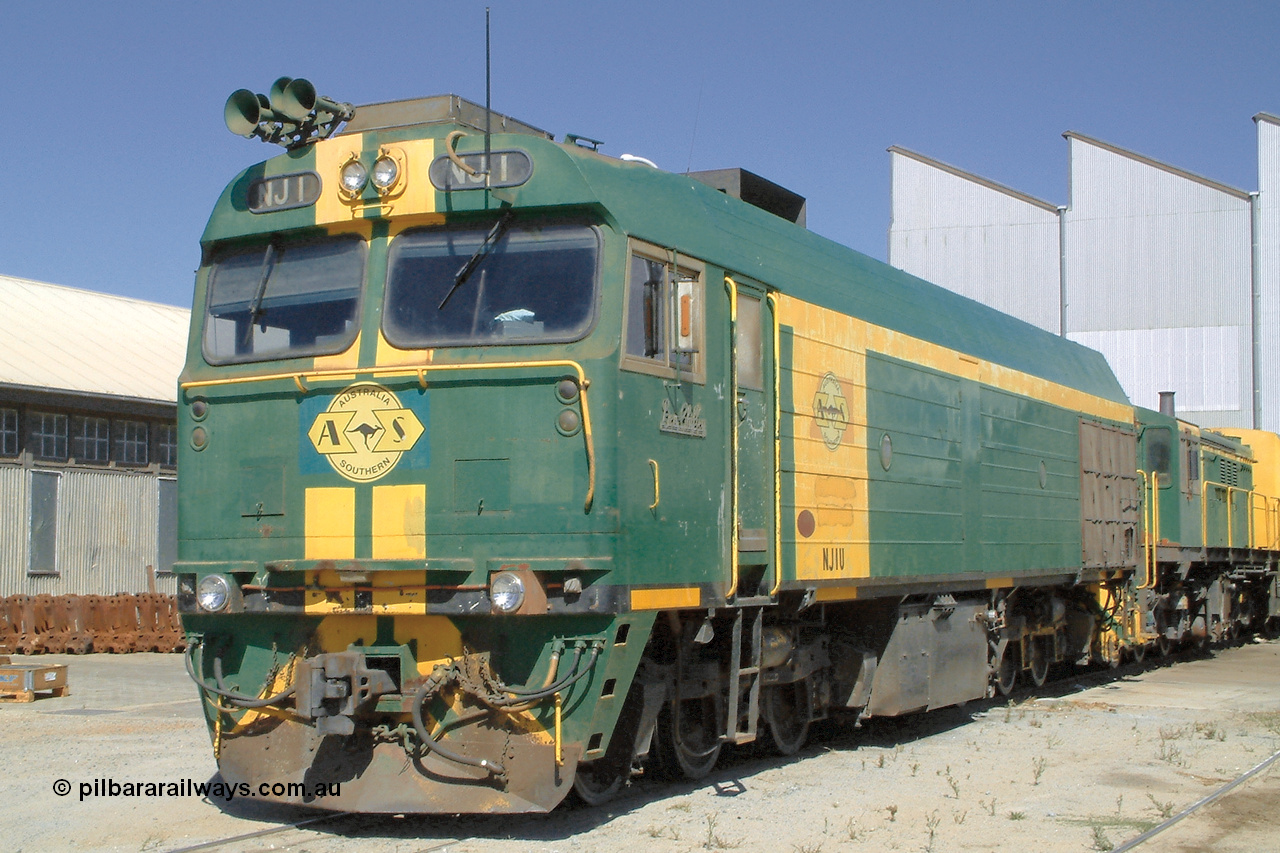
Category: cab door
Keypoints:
(752, 438)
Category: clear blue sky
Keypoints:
(114, 149)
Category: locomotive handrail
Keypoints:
(1150, 518)
(777, 444)
(1230, 503)
(300, 378)
(732, 287)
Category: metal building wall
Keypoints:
(106, 533)
(1268, 232)
(976, 238)
(1159, 279)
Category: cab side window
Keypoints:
(664, 323)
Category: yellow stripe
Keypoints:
(659, 599)
(400, 522)
(330, 524)
(835, 593)
(999, 583)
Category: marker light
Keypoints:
(506, 591)
(213, 593)
(354, 177)
(385, 173)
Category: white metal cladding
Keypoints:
(79, 340)
(1152, 247)
(1269, 265)
(976, 238)
(14, 515)
(1209, 390)
(106, 533)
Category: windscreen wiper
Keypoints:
(255, 307)
(495, 234)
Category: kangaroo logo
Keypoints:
(831, 411)
(364, 431)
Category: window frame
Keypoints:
(55, 477)
(667, 367)
(35, 442)
(121, 441)
(79, 440)
(222, 252)
(482, 227)
(6, 433)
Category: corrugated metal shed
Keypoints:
(94, 343)
(1159, 264)
(1268, 233)
(976, 237)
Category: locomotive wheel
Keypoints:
(1164, 645)
(1007, 670)
(1039, 663)
(688, 738)
(1139, 652)
(595, 784)
(785, 708)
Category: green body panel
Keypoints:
(963, 489)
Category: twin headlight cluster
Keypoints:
(214, 593)
(388, 170)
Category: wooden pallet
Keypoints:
(32, 695)
(25, 682)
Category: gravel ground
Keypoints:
(1088, 765)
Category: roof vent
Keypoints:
(754, 189)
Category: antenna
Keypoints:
(488, 107)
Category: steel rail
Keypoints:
(1204, 801)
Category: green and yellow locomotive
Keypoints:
(510, 468)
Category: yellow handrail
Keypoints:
(777, 444)
(1204, 513)
(732, 286)
(300, 378)
(1150, 504)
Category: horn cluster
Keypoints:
(293, 116)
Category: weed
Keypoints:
(1100, 840)
(1171, 754)
(893, 813)
(931, 823)
(914, 767)
(1172, 732)
(1035, 722)
(1211, 731)
(990, 807)
(680, 807)
(1017, 815)
(951, 781)
(958, 817)
(1164, 809)
(715, 842)
(807, 848)
(880, 760)
(853, 831)
(1119, 803)
(1038, 764)
(1054, 741)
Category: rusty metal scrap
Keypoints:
(77, 624)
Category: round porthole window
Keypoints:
(886, 451)
(1044, 475)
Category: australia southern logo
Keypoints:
(831, 411)
(364, 431)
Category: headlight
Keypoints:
(385, 172)
(506, 591)
(213, 593)
(354, 177)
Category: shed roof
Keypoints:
(67, 339)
